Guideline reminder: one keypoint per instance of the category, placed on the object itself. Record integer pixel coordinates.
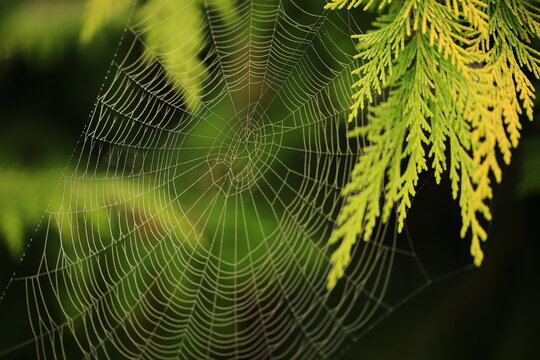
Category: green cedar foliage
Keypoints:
(453, 76)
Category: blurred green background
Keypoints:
(49, 79)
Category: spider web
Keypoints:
(200, 232)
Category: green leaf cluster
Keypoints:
(99, 13)
(173, 33)
(452, 73)
(38, 30)
(25, 194)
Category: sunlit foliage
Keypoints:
(453, 77)
(99, 12)
(39, 29)
(179, 21)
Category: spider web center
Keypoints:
(241, 152)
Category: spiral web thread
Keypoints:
(201, 232)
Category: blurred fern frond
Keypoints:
(25, 194)
(453, 73)
(39, 29)
(180, 53)
(100, 12)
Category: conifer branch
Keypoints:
(453, 73)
